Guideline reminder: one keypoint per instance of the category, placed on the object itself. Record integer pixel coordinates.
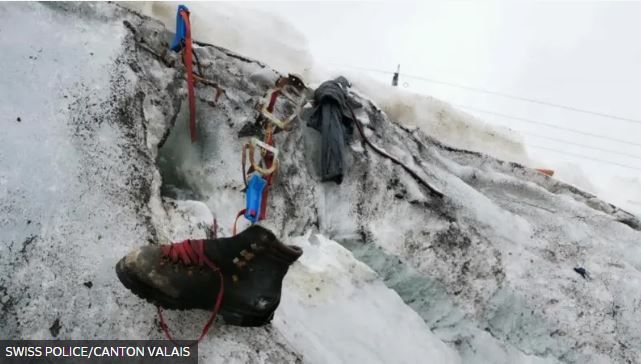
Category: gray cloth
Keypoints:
(330, 116)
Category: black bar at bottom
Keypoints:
(97, 351)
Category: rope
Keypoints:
(383, 153)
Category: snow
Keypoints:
(483, 276)
(624, 192)
(52, 163)
(250, 32)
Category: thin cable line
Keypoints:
(584, 157)
(578, 144)
(548, 125)
(502, 94)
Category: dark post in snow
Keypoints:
(395, 79)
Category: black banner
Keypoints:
(97, 351)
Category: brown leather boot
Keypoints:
(188, 274)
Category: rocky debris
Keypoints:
(582, 272)
(55, 328)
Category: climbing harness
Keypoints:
(183, 42)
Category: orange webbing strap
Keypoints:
(190, 76)
(547, 172)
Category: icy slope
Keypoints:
(249, 32)
(489, 269)
(330, 290)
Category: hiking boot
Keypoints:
(188, 275)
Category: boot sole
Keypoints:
(153, 296)
(237, 318)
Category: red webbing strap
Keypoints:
(190, 76)
(272, 101)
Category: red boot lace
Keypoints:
(191, 252)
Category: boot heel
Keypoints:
(237, 319)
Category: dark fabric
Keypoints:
(330, 116)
